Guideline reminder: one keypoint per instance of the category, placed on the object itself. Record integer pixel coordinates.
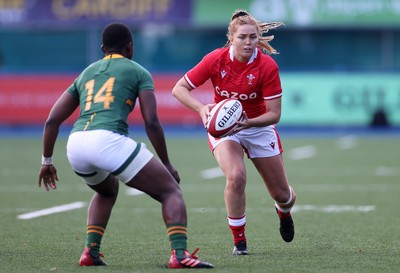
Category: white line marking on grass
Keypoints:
(205, 210)
(387, 171)
(133, 191)
(350, 187)
(296, 208)
(302, 152)
(212, 173)
(334, 208)
(52, 210)
(347, 142)
(271, 209)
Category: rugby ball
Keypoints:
(223, 117)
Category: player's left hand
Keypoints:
(173, 171)
(242, 124)
(48, 174)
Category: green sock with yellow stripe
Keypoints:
(94, 235)
(177, 234)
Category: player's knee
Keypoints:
(236, 181)
(173, 191)
(289, 201)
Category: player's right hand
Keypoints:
(48, 174)
(205, 113)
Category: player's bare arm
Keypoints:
(182, 92)
(154, 130)
(272, 116)
(61, 110)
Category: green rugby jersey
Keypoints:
(107, 92)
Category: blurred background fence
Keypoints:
(339, 59)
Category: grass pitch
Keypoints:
(346, 215)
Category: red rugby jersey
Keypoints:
(251, 82)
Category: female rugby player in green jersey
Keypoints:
(100, 151)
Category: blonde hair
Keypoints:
(242, 17)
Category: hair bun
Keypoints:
(239, 13)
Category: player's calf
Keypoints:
(286, 227)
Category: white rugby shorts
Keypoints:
(95, 154)
(256, 141)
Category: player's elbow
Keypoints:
(175, 91)
(275, 118)
(180, 88)
(52, 122)
(153, 125)
(278, 118)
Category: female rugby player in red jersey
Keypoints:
(242, 71)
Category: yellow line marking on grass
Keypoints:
(52, 210)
